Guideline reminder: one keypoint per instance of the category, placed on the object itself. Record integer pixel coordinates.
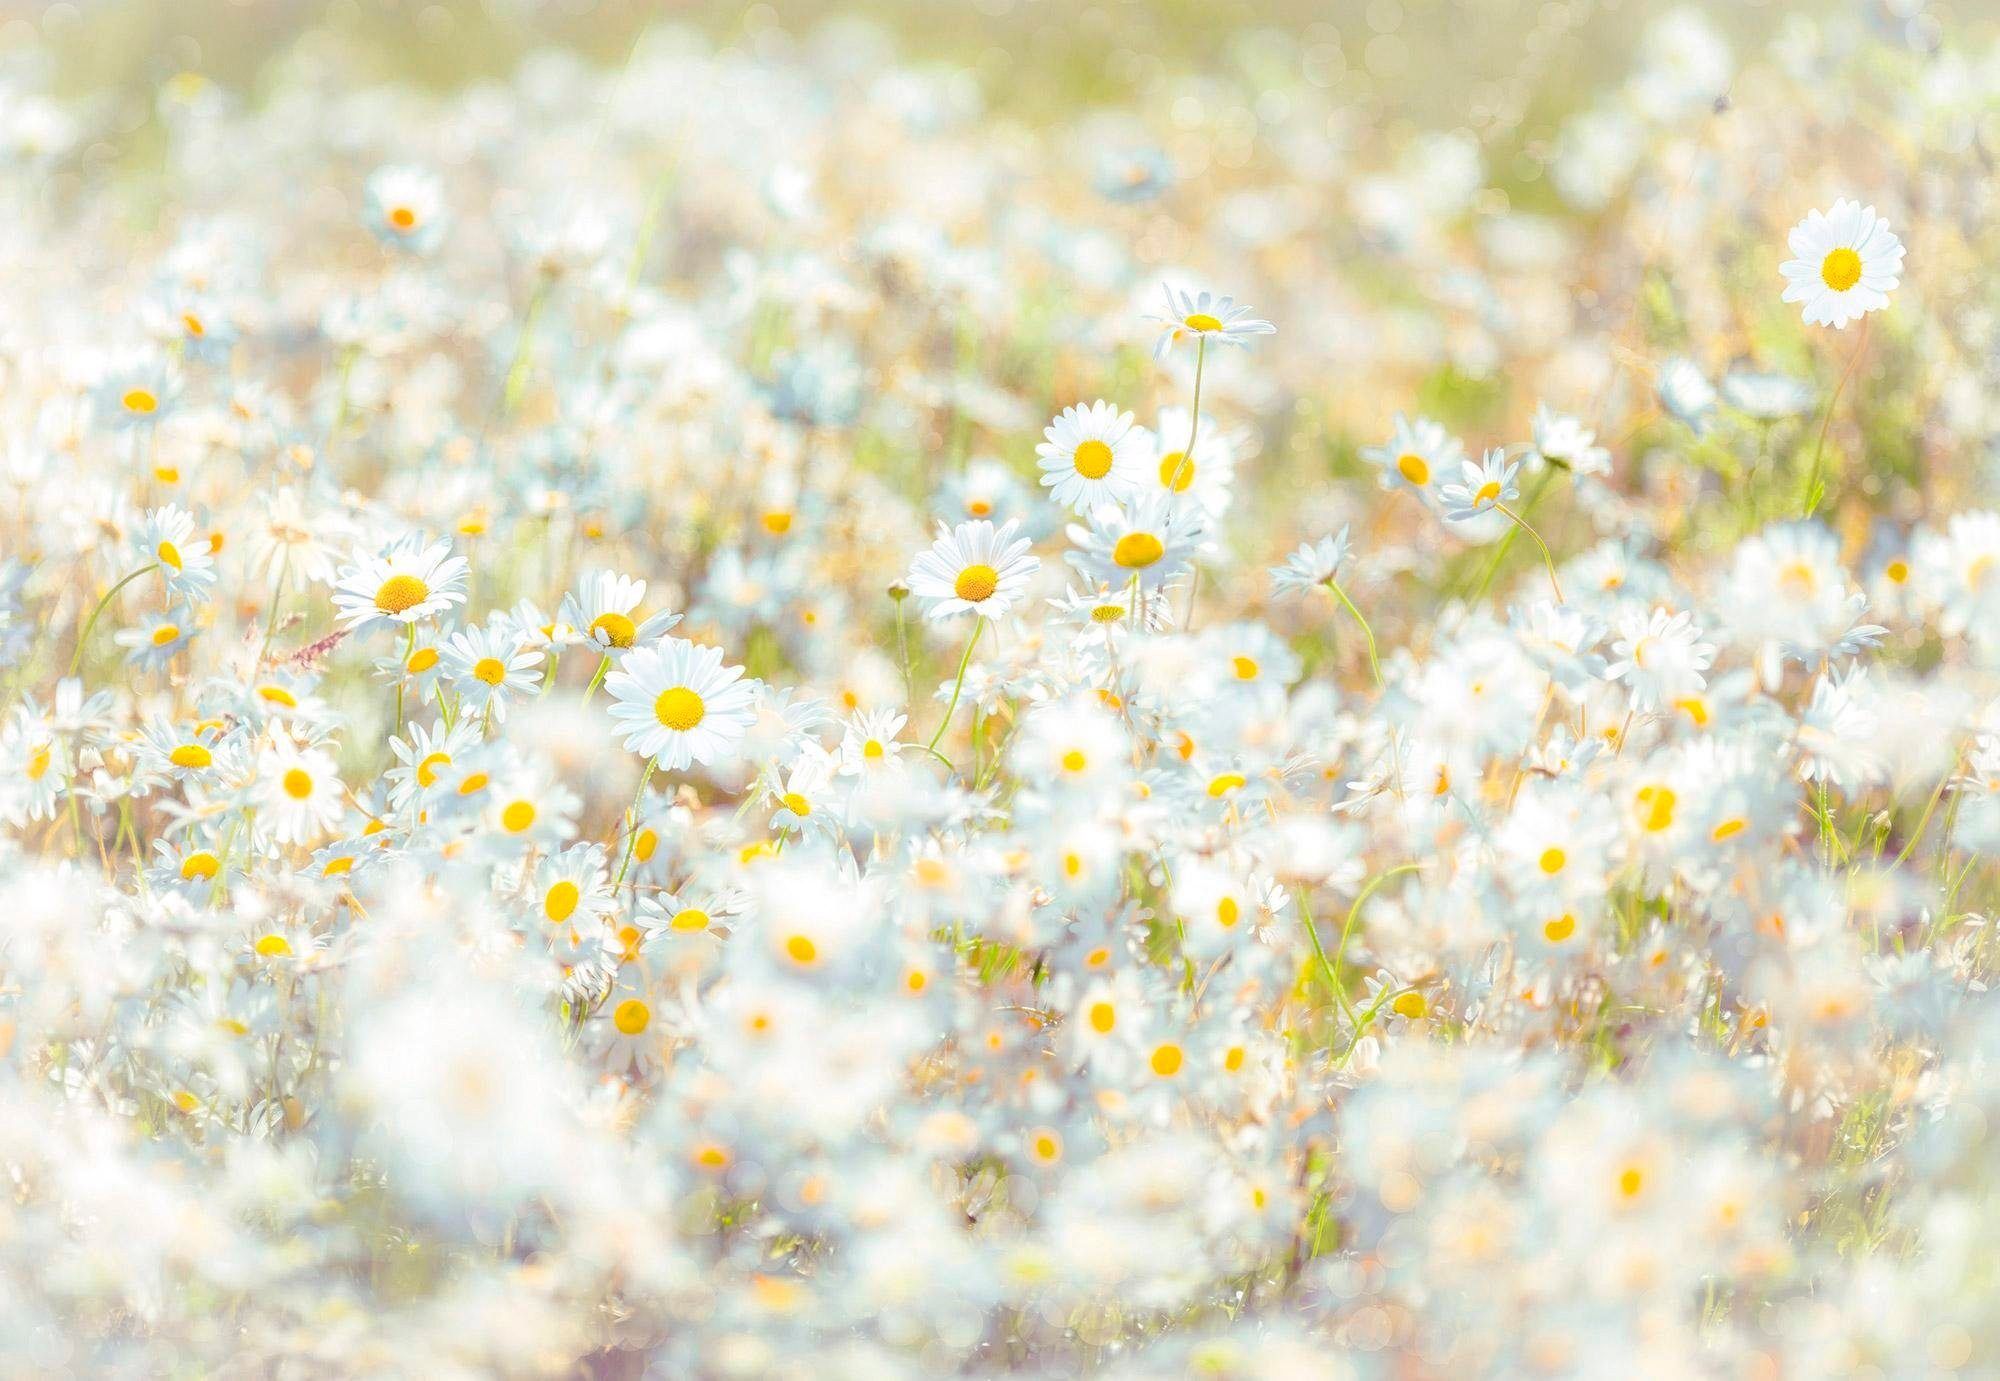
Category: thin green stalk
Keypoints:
(978, 627)
(1366, 632)
(1353, 913)
(1815, 484)
(598, 679)
(632, 826)
(76, 656)
(1548, 558)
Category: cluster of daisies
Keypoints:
(580, 794)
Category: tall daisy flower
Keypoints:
(166, 538)
(1091, 455)
(605, 610)
(1203, 318)
(1481, 488)
(404, 584)
(1152, 540)
(975, 568)
(1846, 261)
(676, 702)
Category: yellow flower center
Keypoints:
(165, 634)
(1487, 493)
(427, 769)
(978, 508)
(976, 582)
(1729, 829)
(421, 661)
(679, 709)
(1410, 1004)
(298, 783)
(1560, 928)
(1246, 668)
(403, 218)
(693, 918)
(777, 522)
(1103, 1016)
(1841, 269)
(473, 784)
(559, 904)
(1202, 321)
(797, 804)
(141, 400)
(190, 755)
(1552, 861)
(1226, 782)
(491, 670)
(1897, 571)
(1227, 912)
(273, 946)
(1176, 471)
(199, 865)
(801, 950)
(1413, 468)
(401, 592)
(517, 816)
(631, 1016)
(1107, 613)
(1137, 550)
(1092, 459)
(278, 695)
(1166, 1060)
(1657, 803)
(170, 555)
(1074, 760)
(618, 630)
(193, 324)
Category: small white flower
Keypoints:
(1846, 263)
(677, 702)
(1092, 455)
(402, 585)
(1482, 488)
(973, 568)
(1197, 316)
(1311, 566)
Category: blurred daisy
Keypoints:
(1311, 566)
(1563, 440)
(973, 568)
(405, 208)
(402, 585)
(676, 702)
(137, 391)
(166, 537)
(1482, 488)
(299, 792)
(1845, 263)
(1091, 455)
(1198, 316)
(1416, 455)
(157, 638)
(1660, 657)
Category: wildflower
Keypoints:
(677, 704)
(1845, 264)
(1202, 318)
(299, 792)
(405, 208)
(1311, 567)
(605, 610)
(1416, 456)
(1659, 657)
(404, 584)
(1481, 488)
(973, 568)
(1091, 455)
(1146, 543)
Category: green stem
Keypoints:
(1194, 416)
(76, 657)
(1366, 632)
(978, 627)
(277, 598)
(632, 827)
(1506, 543)
(1815, 486)
(1548, 558)
(598, 679)
(1353, 913)
(517, 367)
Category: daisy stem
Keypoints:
(1194, 416)
(1548, 558)
(277, 598)
(978, 627)
(76, 657)
(1923, 821)
(1373, 885)
(1815, 484)
(1366, 632)
(409, 646)
(632, 825)
(517, 368)
(1506, 544)
(555, 661)
(903, 649)
(597, 679)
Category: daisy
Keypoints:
(488, 664)
(166, 538)
(137, 391)
(1091, 455)
(405, 208)
(1482, 488)
(1845, 263)
(403, 585)
(179, 753)
(868, 742)
(1415, 454)
(1311, 567)
(1564, 441)
(973, 568)
(572, 895)
(1150, 541)
(1206, 476)
(605, 610)
(677, 703)
(157, 639)
(1660, 657)
(299, 792)
(1203, 318)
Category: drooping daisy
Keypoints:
(605, 610)
(675, 701)
(406, 208)
(1311, 566)
(1481, 488)
(1151, 541)
(298, 791)
(166, 538)
(1846, 261)
(404, 585)
(488, 664)
(1200, 317)
(1091, 455)
(1564, 441)
(973, 568)
(1416, 456)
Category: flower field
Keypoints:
(780, 696)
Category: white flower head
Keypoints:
(1845, 264)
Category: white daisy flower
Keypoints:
(489, 664)
(1563, 440)
(1200, 317)
(605, 610)
(1846, 263)
(1207, 476)
(1311, 566)
(1660, 657)
(406, 208)
(1152, 541)
(974, 568)
(1092, 455)
(676, 702)
(166, 538)
(402, 585)
(1415, 455)
(299, 792)
(1482, 488)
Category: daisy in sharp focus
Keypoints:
(404, 584)
(299, 793)
(490, 663)
(1482, 487)
(974, 568)
(1846, 263)
(1152, 541)
(1092, 455)
(677, 702)
(1202, 318)
(605, 610)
